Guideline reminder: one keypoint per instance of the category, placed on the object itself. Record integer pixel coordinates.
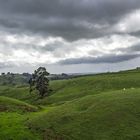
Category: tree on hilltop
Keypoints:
(39, 81)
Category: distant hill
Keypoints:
(14, 79)
(22, 79)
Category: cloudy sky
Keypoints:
(72, 36)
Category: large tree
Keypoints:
(39, 81)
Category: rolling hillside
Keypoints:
(98, 107)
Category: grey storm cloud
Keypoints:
(137, 33)
(70, 19)
(134, 48)
(102, 59)
(131, 49)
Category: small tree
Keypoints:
(39, 81)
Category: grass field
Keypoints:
(98, 107)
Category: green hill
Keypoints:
(9, 104)
(106, 116)
(14, 79)
(13, 115)
(95, 107)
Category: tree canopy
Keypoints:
(39, 81)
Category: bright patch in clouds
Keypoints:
(129, 23)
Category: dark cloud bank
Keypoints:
(98, 60)
(70, 19)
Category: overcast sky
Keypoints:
(72, 36)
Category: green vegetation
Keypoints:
(100, 107)
(9, 104)
(40, 82)
(107, 116)
(14, 79)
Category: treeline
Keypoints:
(14, 78)
(23, 79)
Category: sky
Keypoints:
(69, 36)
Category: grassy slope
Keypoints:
(9, 104)
(13, 114)
(85, 108)
(107, 116)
